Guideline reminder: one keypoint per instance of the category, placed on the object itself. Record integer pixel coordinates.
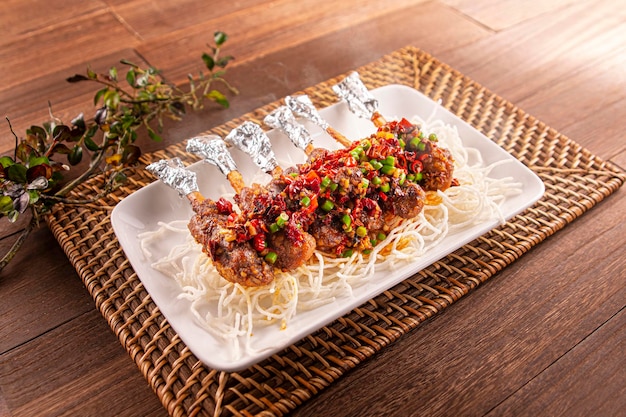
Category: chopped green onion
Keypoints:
(381, 236)
(345, 219)
(402, 178)
(373, 241)
(361, 231)
(410, 177)
(282, 219)
(376, 180)
(419, 176)
(327, 205)
(293, 174)
(274, 227)
(305, 201)
(333, 186)
(390, 160)
(271, 257)
(415, 142)
(432, 137)
(375, 164)
(388, 169)
(401, 143)
(365, 182)
(421, 146)
(366, 144)
(385, 187)
(325, 182)
(367, 251)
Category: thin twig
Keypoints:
(18, 243)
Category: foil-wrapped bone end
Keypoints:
(302, 106)
(251, 139)
(214, 151)
(283, 118)
(172, 172)
(359, 99)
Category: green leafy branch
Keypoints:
(33, 178)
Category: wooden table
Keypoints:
(552, 343)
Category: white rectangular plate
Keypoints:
(142, 210)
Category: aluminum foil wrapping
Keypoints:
(250, 138)
(173, 173)
(214, 151)
(360, 101)
(282, 118)
(303, 106)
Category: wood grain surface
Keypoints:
(553, 341)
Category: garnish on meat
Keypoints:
(337, 202)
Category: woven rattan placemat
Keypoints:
(575, 181)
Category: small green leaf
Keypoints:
(222, 62)
(153, 135)
(219, 38)
(6, 161)
(38, 160)
(76, 155)
(99, 95)
(90, 144)
(130, 77)
(60, 148)
(113, 73)
(33, 196)
(91, 74)
(208, 61)
(17, 173)
(218, 97)
(38, 131)
(24, 152)
(79, 121)
(6, 204)
(119, 177)
(111, 99)
(13, 215)
(61, 133)
(91, 132)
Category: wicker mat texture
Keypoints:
(575, 181)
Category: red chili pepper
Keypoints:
(369, 205)
(400, 161)
(259, 242)
(417, 166)
(224, 206)
(255, 226)
(405, 124)
(313, 181)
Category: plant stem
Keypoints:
(18, 243)
(95, 164)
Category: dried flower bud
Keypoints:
(101, 115)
